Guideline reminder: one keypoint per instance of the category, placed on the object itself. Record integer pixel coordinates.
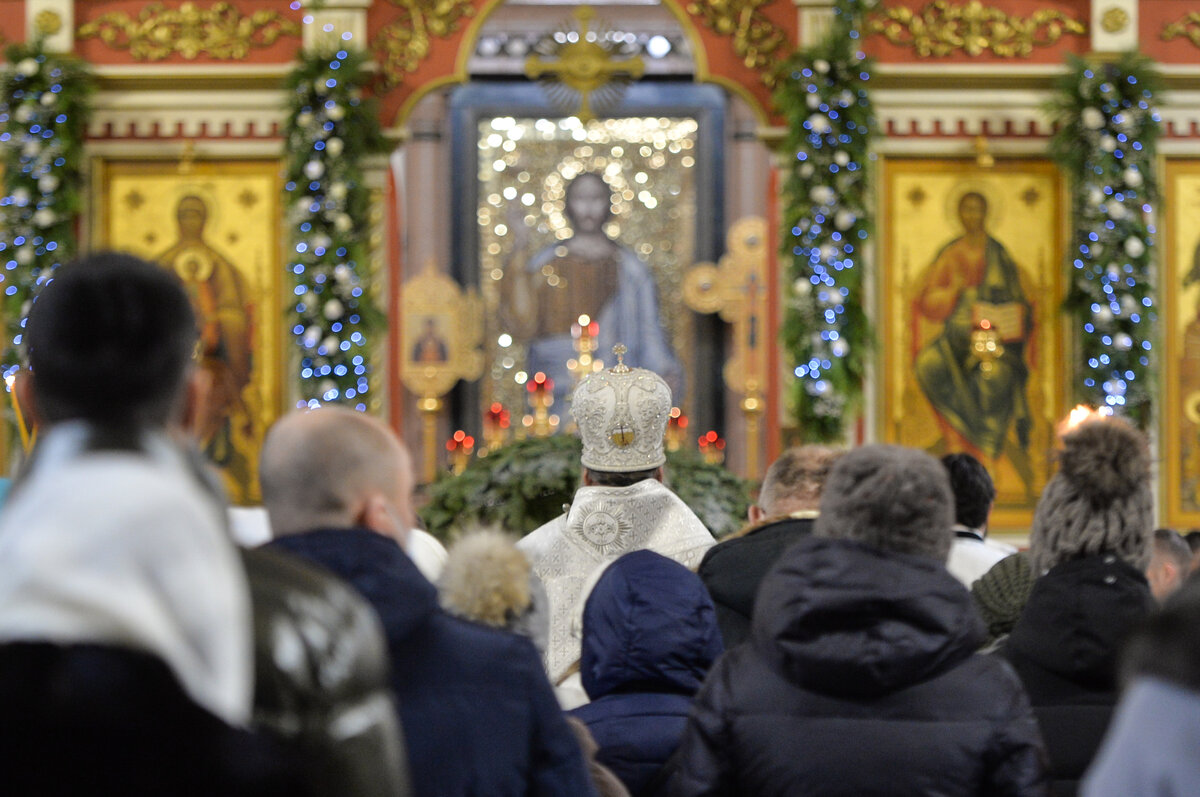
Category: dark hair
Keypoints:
(1192, 538)
(962, 200)
(607, 478)
(110, 338)
(1168, 543)
(972, 487)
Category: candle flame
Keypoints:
(1081, 414)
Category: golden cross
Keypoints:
(584, 64)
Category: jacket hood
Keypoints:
(648, 625)
(377, 567)
(1078, 616)
(843, 618)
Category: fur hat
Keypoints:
(486, 579)
(1100, 499)
(890, 497)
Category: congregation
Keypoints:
(861, 635)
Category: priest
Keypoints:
(623, 504)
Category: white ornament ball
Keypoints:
(338, 191)
(314, 169)
(828, 252)
(319, 86)
(335, 112)
(1092, 118)
(47, 183)
(311, 336)
(844, 219)
(812, 100)
(1129, 305)
(841, 158)
(821, 66)
(822, 195)
(20, 197)
(836, 298)
(25, 255)
(820, 123)
(1132, 177)
(27, 67)
(334, 147)
(1108, 143)
(24, 114)
(1104, 314)
(48, 98)
(32, 148)
(304, 119)
(343, 223)
(807, 170)
(321, 242)
(342, 273)
(1135, 247)
(1113, 271)
(839, 348)
(44, 218)
(1116, 210)
(1122, 342)
(330, 343)
(802, 287)
(333, 309)
(1095, 196)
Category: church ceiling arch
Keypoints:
(735, 47)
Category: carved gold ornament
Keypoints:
(1114, 20)
(756, 38)
(942, 28)
(220, 31)
(402, 46)
(1189, 26)
(47, 22)
(584, 65)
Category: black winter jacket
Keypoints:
(861, 679)
(733, 569)
(1064, 647)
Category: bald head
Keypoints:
(334, 468)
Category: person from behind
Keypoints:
(1089, 547)
(863, 676)
(1170, 563)
(479, 714)
(1000, 596)
(972, 554)
(1150, 748)
(785, 511)
(125, 624)
(649, 637)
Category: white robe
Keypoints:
(601, 524)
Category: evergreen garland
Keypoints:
(1105, 142)
(823, 95)
(525, 484)
(334, 318)
(43, 121)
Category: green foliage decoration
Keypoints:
(43, 120)
(822, 92)
(526, 483)
(334, 319)
(1105, 142)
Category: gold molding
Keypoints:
(756, 39)
(1189, 27)
(941, 28)
(402, 46)
(220, 31)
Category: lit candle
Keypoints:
(21, 428)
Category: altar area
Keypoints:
(909, 221)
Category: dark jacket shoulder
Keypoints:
(733, 569)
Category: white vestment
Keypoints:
(601, 524)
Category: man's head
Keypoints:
(973, 490)
(334, 468)
(793, 482)
(588, 202)
(1170, 562)
(972, 211)
(111, 340)
(890, 497)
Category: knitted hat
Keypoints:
(622, 415)
(1100, 499)
(1002, 592)
(890, 497)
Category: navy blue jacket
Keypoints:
(649, 636)
(478, 713)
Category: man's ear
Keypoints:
(756, 513)
(197, 391)
(23, 388)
